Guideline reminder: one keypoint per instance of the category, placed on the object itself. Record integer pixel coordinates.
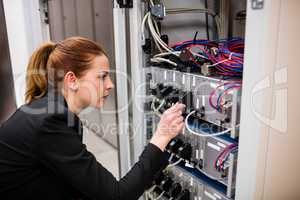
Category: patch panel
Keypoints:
(177, 183)
(206, 75)
(215, 101)
(165, 95)
(203, 155)
(199, 154)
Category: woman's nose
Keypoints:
(110, 84)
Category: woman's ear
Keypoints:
(71, 81)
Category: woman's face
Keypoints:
(95, 84)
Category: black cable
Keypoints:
(206, 20)
(195, 37)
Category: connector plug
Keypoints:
(175, 190)
(174, 145)
(185, 151)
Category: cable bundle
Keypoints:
(222, 158)
(226, 56)
(228, 86)
(229, 58)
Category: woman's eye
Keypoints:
(103, 76)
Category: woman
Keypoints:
(41, 151)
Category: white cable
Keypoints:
(160, 60)
(197, 54)
(200, 10)
(203, 134)
(143, 30)
(151, 3)
(156, 36)
(222, 61)
(160, 196)
(156, 28)
(166, 54)
(149, 191)
(160, 106)
(153, 28)
(152, 188)
(143, 25)
(156, 110)
(171, 157)
(175, 163)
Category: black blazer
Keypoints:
(42, 157)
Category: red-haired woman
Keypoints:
(41, 151)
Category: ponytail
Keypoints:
(49, 63)
(36, 75)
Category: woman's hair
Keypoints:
(50, 62)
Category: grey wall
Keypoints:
(92, 19)
(7, 92)
(183, 26)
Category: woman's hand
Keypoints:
(170, 125)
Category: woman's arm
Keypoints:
(60, 149)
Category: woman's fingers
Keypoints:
(176, 107)
(178, 120)
(170, 125)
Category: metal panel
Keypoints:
(269, 142)
(103, 12)
(70, 22)
(202, 87)
(183, 26)
(7, 94)
(56, 20)
(85, 18)
(138, 80)
(213, 148)
(211, 194)
(122, 87)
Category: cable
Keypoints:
(203, 134)
(160, 60)
(222, 158)
(156, 110)
(151, 3)
(227, 87)
(152, 188)
(171, 157)
(160, 196)
(156, 36)
(197, 54)
(148, 15)
(206, 20)
(143, 25)
(166, 54)
(175, 163)
(199, 10)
